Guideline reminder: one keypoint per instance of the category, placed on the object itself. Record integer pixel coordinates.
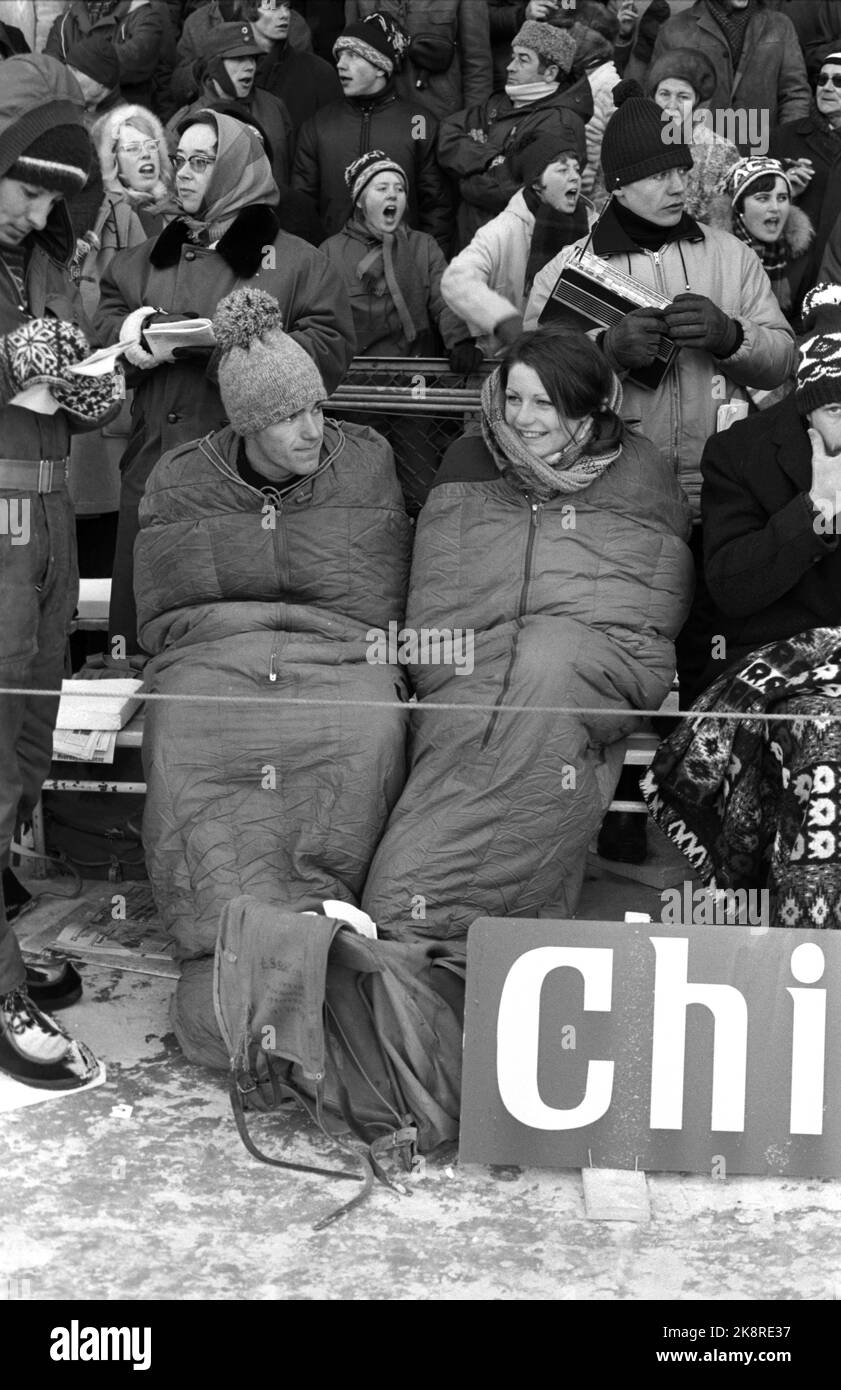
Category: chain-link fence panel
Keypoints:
(418, 405)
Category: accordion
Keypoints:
(595, 295)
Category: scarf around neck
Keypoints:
(647, 235)
(733, 24)
(524, 93)
(388, 268)
(575, 468)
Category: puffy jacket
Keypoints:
(680, 414)
(471, 139)
(339, 133)
(572, 604)
(602, 81)
(463, 24)
(144, 42)
(376, 321)
(771, 76)
(243, 596)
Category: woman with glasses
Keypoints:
(226, 235)
(812, 145)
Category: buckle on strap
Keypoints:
(46, 468)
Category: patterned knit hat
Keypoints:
(360, 173)
(551, 44)
(264, 375)
(819, 368)
(379, 39)
(634, 145)
(740, 177)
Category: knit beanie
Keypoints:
(360, 173)
(379, 39)
(530, 157)
(264, 375)
(551, 44)
(683, 65)
(96, 57)
(819, 367)
(740, 177)
(59, 160)
(634, 146)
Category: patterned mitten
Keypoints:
(38, 353)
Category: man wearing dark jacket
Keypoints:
(143, 38)
(45, 153)
(303, 82)
(475, 145)
(372, 116)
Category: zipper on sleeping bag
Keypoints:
(534, 523)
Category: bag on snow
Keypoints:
(365, 1035)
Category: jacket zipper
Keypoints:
(674, 393)
(534, 523)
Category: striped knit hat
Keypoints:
(819, 368)
(741, 176)
(360, 173)
(43, 140)
(379, 39)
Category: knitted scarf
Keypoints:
(575, 468)
(774, 256)
(733, 24)
(388, 268)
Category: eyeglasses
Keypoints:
(147, 147)
(833, 77)
(197, 162)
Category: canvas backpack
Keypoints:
(366, 1035)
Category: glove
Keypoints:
(635, 340)
(694, 321)
(38, 353)
(465, 357)
(508, 330)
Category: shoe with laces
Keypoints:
(36, 1051)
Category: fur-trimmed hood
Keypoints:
(242, 247)
(104, 134)
(797, 236)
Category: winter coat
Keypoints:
(339, 133)
(269, 112)
(461, 23)
(798, 238)
(143, 39)
(379, 332)
(303, 82)
(572, 604)
(240, 597)
(485, 283)
(498, 127)
(771, 76)
(771, 571)
(602, 81)
(813, 138)
(184, 83)
(179, 401)
(681, 413)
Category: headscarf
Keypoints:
(578, 465)
(240, 177)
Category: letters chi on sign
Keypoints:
(683, 1049)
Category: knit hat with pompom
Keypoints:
(264, 375)
(638, 142)
(819, 367)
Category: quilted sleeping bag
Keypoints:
(252, 602)
(570, 606)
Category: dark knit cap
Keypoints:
(95, 56)
(636, 140)
(819, 367)
(59, 160)
(379, 39)
(530, 157)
